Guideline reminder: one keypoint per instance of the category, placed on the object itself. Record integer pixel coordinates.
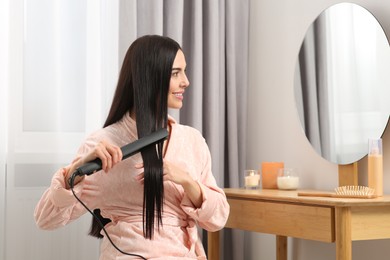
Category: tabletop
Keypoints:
(293, 197)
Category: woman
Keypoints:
(152, 201)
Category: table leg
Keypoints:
(281, 248)
(213, 245)
(343, 233)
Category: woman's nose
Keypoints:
(185, 82)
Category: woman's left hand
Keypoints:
(171, 172)
(177, 175)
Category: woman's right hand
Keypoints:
(108, 153)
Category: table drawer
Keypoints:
(370, 222)
(286, 219)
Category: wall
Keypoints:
(277, 28)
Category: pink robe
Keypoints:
(120, 198)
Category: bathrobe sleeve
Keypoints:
(58, 206)
(214, 211)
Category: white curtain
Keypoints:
(357, 46)
(61, 67)
(4, 59)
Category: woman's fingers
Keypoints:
(140, 178)
(139, 165)
(109, 154)
(115, 152)
(108, 160)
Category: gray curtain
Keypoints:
(214, 38)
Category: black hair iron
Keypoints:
(127, 151)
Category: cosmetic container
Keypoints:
(375, 166)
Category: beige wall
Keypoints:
(277, 28)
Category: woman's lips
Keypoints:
(178, 95)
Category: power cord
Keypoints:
(71, 184)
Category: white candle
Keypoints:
(252, 181)
(288, 182)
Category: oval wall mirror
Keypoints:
(342, 82)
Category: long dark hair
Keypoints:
(142, 89)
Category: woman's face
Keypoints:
(179, 81)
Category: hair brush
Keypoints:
(361, 192)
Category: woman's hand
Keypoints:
(175, 174)
(170, 173)
(108, 153)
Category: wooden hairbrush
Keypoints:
(360, 192)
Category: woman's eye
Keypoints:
(174, 74)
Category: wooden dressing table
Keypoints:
(285, 214)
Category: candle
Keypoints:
(288, 179)
(288, 182)
(252, 179)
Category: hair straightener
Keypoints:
(127, 151)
